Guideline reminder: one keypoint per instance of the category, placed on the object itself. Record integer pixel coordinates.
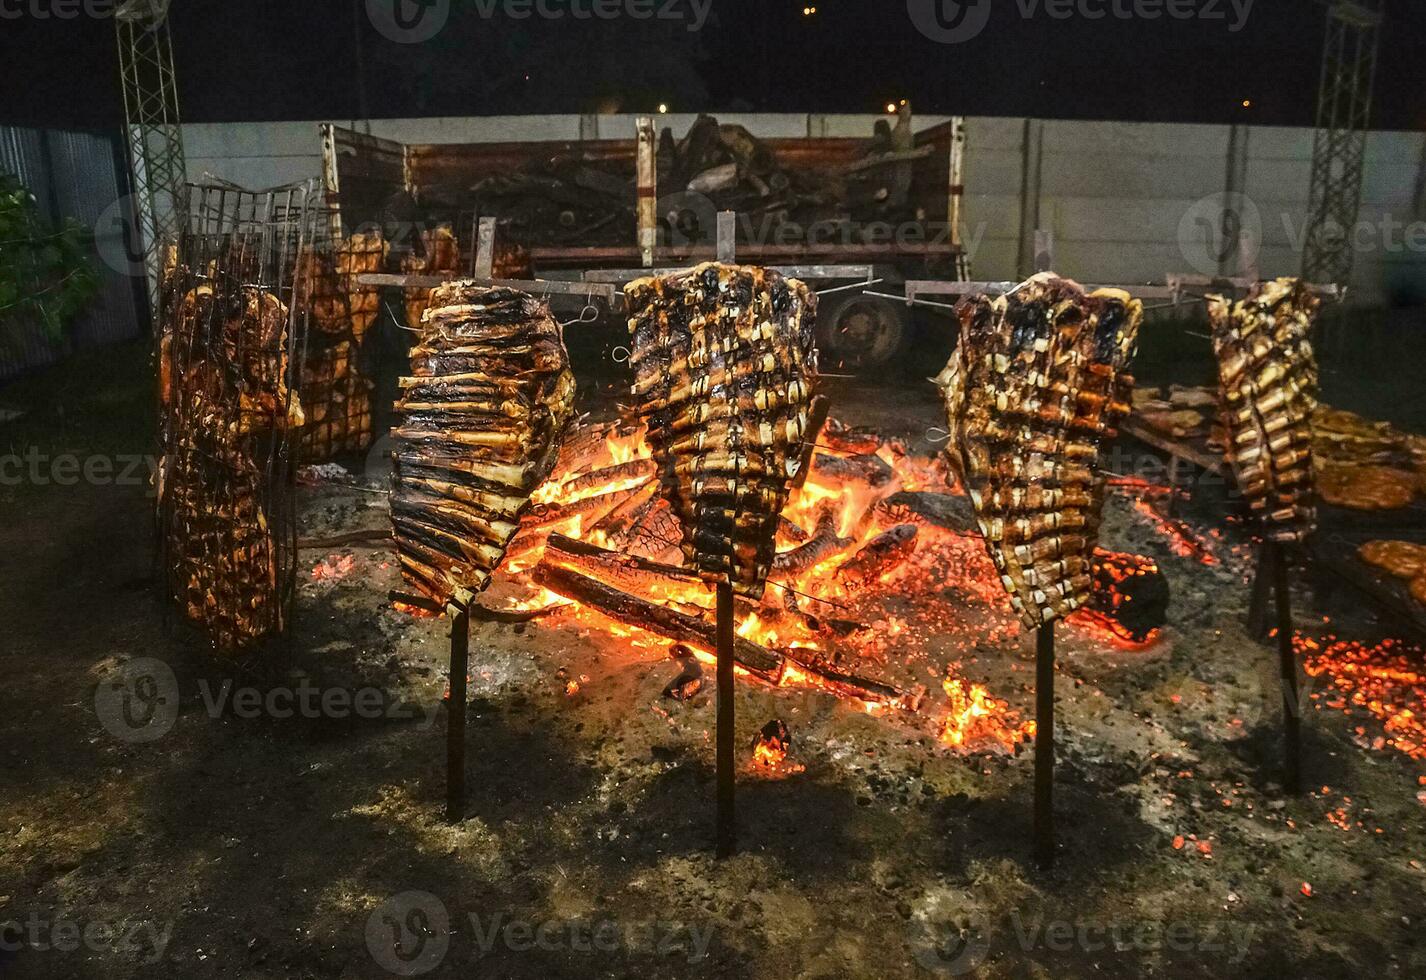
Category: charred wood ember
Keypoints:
(482, 421)
(1268, 380)
(689, 680)
(771, 743)
(228, 414)
(724, 364)
(823, 544)
(869, 469)
(1130, 596)
(954, 513)
(848, 439)
(1032, 391)
(879, 555)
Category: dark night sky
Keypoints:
(298, 59)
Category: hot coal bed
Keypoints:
(888, 682)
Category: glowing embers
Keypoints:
(1384, 680)
(974, 717)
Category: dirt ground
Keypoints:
(162, 836)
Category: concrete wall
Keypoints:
(1125, 201)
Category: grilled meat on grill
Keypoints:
(482, 421)
(1032, 391)
(723, 365)
(1268, 382)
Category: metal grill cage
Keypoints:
(228, 349)
(336, 394)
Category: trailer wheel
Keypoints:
(859, 333)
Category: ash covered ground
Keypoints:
(238, 843)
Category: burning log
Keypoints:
(869, 469)
(628, 572)
(592, 508)
(616, 525)
(880, 555)
(792, 532)
(944, 510)
(634, 469)
(843, 684)
(823, 544)
(616, 604)
(849, 440)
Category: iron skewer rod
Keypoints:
(1287, 671)
(1045, 746)
(726, 830)
(455, 715)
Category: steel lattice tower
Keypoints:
(1344, 100)
(152, 134)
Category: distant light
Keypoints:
(1247, 103)
(808, 11)
(891, 107)
(663, 107)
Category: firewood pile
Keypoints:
(578, 198)
(1032, 391)
(1268, 376)
(228, 420)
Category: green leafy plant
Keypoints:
(46, 276)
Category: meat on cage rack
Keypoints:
(230, 341)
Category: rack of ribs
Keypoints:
(482, 421)
(724, 365)
(1032, 392)
(1268, 383)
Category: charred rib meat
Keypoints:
(482, 421)
(1032, 391)
(1268, 381)
(723, 366)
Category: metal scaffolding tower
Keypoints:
(1344, 100)
(151, 130)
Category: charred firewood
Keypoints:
(592, 508)
(824, 543)
(723, 363)
(1033, 389)
(869, 469)
(1130, 596)
(850, 440)
(634, 611)
(616, 525)
(608, 475)
(689, 680)
(482, 423)
(1268, 382)
(879, 555)
(954, 513)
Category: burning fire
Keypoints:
(1381, 680)
(974, 715)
